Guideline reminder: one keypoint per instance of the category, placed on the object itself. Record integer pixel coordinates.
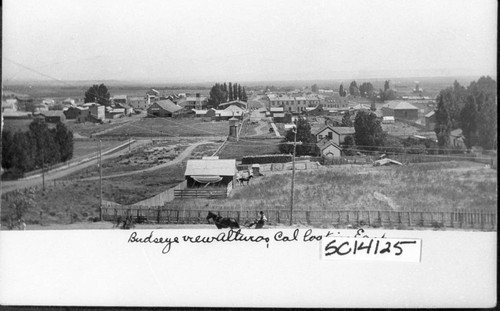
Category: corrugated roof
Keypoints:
(211, 167)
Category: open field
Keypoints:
(176, 127)
(88, 147)
(442, 186)
(247, 147)
(80, 199)
(142, 157)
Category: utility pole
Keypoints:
(293, 173)
(294, 129)
(100, 182)
(43, 170)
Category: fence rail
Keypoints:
(484, 220)
(194, 193)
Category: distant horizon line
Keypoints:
(191, 82)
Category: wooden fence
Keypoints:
(483, 220)
(195, 193)
(413, 158)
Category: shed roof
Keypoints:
(209, 167)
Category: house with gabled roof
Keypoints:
(329, 139)
(335, 133)
(328, 148)
(163, 108)
(400, 110)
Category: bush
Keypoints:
(276, 158)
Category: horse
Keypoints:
(222, 222)
(241, 180)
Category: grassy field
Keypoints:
(419, 187)
(80, 199)
(205, 150)
(246, 147)
(83, 147)
(176, 127)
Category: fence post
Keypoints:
(278, 216)
(307, 217)
(369, 219)
(409, 219)
(158, 216)
(399, 217)
(238, 216)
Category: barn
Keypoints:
(163, 108)
(212, 171)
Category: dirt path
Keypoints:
(8, 186)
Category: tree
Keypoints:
(468, 122)
(98, 94)
(235, 91)
(7, 155)
(366, 90)
(64, 140)
(393, 145)
(303, 135)
(230, 92)
(353, 89)
(244, 96)
(342, 92)
(478, 118)
(346, 119)
(368, 131)
(387, 85)
(217, 96)
(348, 147)
(46, 151)
(314, 88)
(239, 91)
(443, 121)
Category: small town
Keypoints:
(170, 157)
(249, 154)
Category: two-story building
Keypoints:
(329, 139)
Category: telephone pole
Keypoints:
(294, 129)
(100, 182)
(43, 170)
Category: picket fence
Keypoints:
(484, 220)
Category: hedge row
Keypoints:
(261, 159)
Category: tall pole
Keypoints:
(43, 170)
(293, 173)
(100, 182)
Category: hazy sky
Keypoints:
(221, 40)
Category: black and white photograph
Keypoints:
(217, 153)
